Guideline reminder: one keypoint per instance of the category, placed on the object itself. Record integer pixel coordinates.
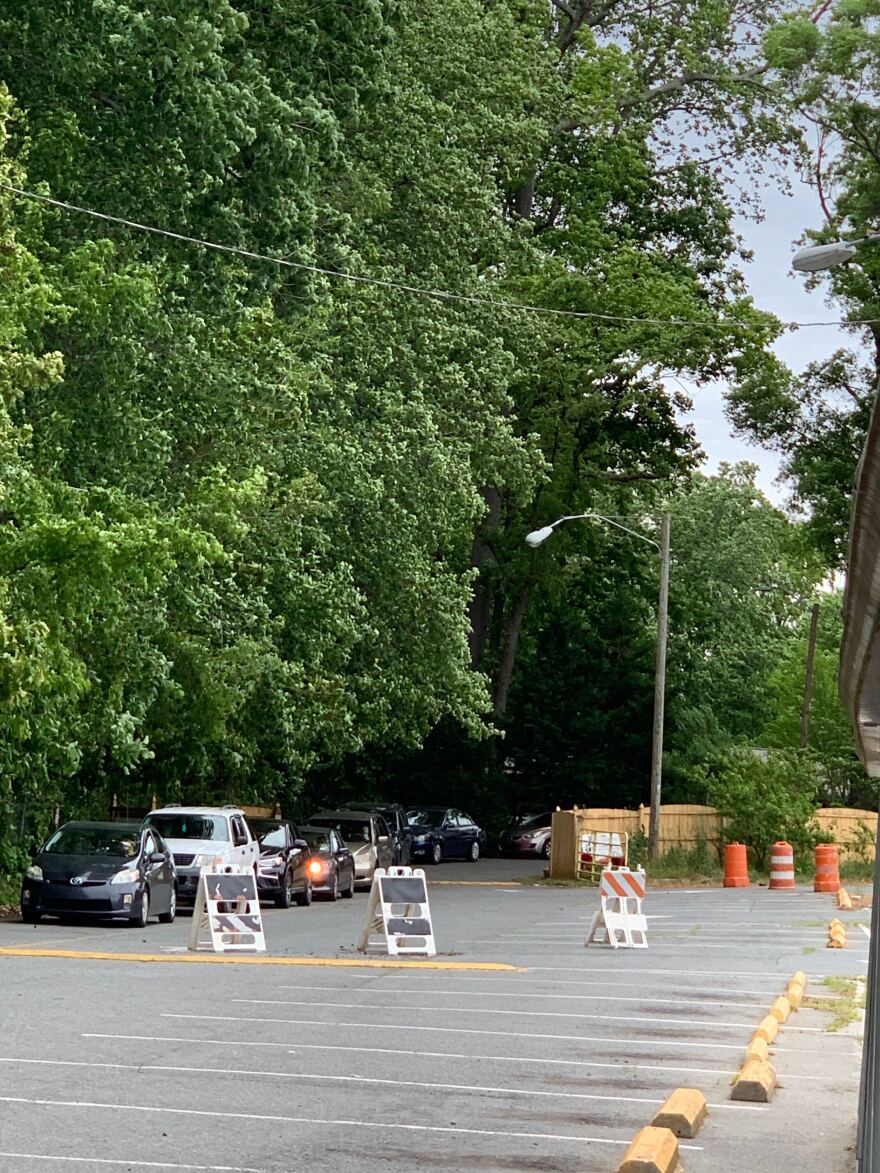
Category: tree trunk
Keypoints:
(480, 606)
(508, 654)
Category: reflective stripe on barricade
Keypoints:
(620, 922)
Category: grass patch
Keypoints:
(856, 871)
(844, 1007)
(808, 949)
(10, 889)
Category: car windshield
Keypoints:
(316, 841)
(190, 827)
(536, 821)
(351, 830)
(429, 816)
(105, 841)
(272, 838)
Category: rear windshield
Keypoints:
(106, 841)
(351, 830)
(190, 827)
(426, 817)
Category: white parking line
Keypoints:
(397, 1009)
(630, 1042)
(104, 1161)
(516, 994)
(269, 1118)
(650, 972)
(466, 1030)
(866, 931)
(309, 1077)
(390, 976)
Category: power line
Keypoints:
(416, 290)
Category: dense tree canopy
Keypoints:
(262, 524)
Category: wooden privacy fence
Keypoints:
(686, 825)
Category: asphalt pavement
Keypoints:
(550, 1062)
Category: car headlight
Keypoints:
(533, 835)
(207, 861)
(272, 861)
(419, 838)
(129, 876)
(34, 872)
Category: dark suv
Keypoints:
(401, 832)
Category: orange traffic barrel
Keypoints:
(736, 868)
(827, 872)
(781, 865)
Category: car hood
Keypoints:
(65, 867)
(518, 831)
(197, 846)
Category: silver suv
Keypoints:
(204, 837)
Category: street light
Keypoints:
(813, 258)
(535, 538)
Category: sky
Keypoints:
(775, 287)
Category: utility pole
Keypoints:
(659, 694)
(808, 677)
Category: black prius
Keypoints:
(118, 870)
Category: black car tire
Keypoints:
(349, 891)
(333, 894)
(436, 853)
(474, 852)
(167, 918)
(30, 916)
(140, 919)
(282, 900)
(304, 898)
(545, 850)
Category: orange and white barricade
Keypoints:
(620, 921)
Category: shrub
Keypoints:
(764, 797)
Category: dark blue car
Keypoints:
(440, 832)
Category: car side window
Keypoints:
(464, 820)
(149, 844)
(450, 818)
(239, 835)
(381, 828)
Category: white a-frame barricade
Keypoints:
(226, 917)
(398, 916)
(620, 921)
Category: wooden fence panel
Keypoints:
(851, 829)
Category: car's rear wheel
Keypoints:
(282, 899)
(167, 918)
(349, 891)
(142, 916)
(304, 898)
(474, 852)
(436, 853)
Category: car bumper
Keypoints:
(521, 846)
(98, 900)
(269, 882)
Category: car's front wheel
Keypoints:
(333, 894)
(304, 898)
(142, 916)
(30, 916)
(545, 850)
(167, 918)
(436, 853)
(282, 898)
(349, 891)
(474, 853)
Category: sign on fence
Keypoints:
(226, 917)
(398, 915)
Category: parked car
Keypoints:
(331, 864)
(283, 871)
(101, 870)
(530, 836)
(401, 832)
(367, 837)
(204, 837)
(441, 832)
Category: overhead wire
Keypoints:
(416, 290)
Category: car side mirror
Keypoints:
(157, 857)
(301, 844)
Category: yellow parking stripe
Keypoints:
(250, 959)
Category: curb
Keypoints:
(844, 900)
(758, 1050)
(755, 1083)
(684, 1113)
(781, 1009)
(768, 1029)
(836, 934)
(653, 1150)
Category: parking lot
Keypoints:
(552, 1064)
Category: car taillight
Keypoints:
(316, 867)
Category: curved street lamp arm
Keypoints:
(601, 517)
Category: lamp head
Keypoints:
(537, 536)
(813, 258)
